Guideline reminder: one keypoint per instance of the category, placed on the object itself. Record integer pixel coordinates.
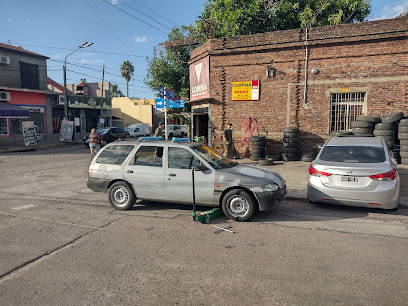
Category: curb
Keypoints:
(30, 149)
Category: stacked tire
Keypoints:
(308, 154)
(388, 128)
(403, 140)
(258, 147)
(364, 125)
(290, 147)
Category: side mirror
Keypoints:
(200, 168)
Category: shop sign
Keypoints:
(245, 91)
(200, 79)
(30, 137)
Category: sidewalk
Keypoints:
(10, 148)
(296, 175)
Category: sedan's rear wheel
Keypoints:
(121, 196)
(238, 205)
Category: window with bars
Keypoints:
(345, 107)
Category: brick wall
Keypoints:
(370, 57)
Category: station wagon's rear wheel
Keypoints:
(121, 196)
(238, 205)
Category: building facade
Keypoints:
(318, 79)
(23, 86)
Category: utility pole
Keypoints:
(165, 116)
(103, 76)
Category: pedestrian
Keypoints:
(228, 142)
(159, 130)
(95, 141)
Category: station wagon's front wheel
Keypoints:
(238, 205)
(121, 196)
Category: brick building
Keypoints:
(348, 70)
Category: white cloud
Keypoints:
(140, 39)
(10, 19)
(88, 54)
(393, 11)
(56, 56)
(114, 2)
(87, 61)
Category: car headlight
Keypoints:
(270, 187)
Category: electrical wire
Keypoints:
(155, 12)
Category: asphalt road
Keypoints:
(62, 244)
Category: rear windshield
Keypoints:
(353, 154)
(114, 155)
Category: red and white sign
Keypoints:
(200, 79)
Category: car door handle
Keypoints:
(129, 171)
(172, 174)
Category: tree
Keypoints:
(126, 70)
(115, 91)
(225, 18)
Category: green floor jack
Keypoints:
(206, 216)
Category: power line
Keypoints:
(155, 12)
(134, 17)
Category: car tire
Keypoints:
(291, 135)
(291, 130)
(362, 124)
(310, 154)
(384, 132)
(182, 135)
(290, 145)
(385, 126)
(404, 161)
(403, 136)
(290, 140)
(393, 117)
(265, 161)
(290, 150)
(259, 143)
(258, 156)
(307, 159)
(238, 205)
(363, 135)
(360, 130)
(293, 155)
(372, 119)
(404, 148)
(341, 133)
(404, 154)
(121, 196)
(403, 122)
(254, 158)
(258, 138)
(403, 142)
(288, 159)
(258, 152)
(258, 146)
(402, 129)
(390, 144)
(274, 157)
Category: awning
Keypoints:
(11, 110)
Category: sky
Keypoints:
(119, 29)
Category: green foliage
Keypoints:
(115, 91)
(126, 70)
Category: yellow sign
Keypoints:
(344, 90)
(245, 91)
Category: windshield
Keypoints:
(353, 154)
(214, 158)
(102, 131)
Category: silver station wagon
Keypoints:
(159, 170)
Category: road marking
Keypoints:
(23, 207)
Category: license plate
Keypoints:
(353, 179)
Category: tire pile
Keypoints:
(290, 147)
(308, 153)
(258, 147)
(364, 126)
(403, 140)
(388, 128)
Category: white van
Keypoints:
(138, 130)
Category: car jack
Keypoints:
(206, 216)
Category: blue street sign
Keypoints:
(175, 103)
(169, 93)
(160, 103)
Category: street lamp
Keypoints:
(81, 46)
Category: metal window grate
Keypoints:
(345, 107)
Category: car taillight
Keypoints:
(315, 172)
(387, 176)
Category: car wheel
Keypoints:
(182, 134)
(238, 205)
(121, 196)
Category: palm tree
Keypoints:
(126, 70)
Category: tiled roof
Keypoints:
(58, 86)
(20, 49)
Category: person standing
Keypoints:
(95, 141)
(159, 130)
(228, 142)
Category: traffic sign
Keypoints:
(169, 92)
(176, 103)
(160, 103)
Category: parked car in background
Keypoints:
(355, 171)
(138, 130)
(176, 130)
(161, 171)
(109, 134)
